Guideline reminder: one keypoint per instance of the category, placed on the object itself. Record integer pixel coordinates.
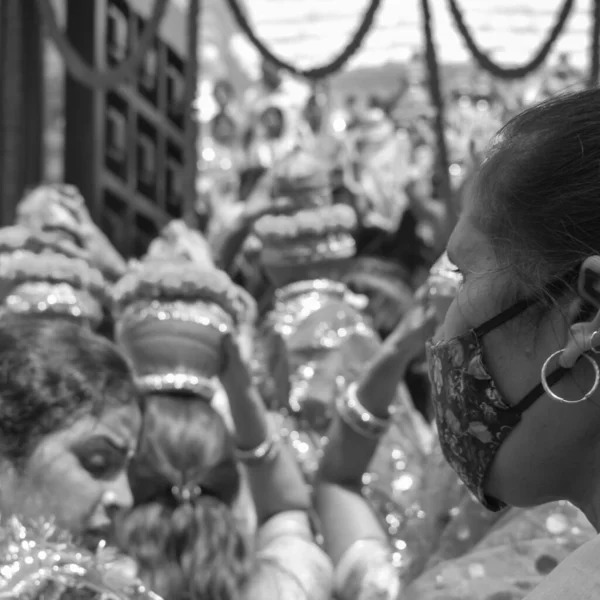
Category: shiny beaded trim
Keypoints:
(266, 452)
(176, 382)
(297, 301)
(335, 246)
(324, 286)
(189, 312)
(55, 299)
(357, 417)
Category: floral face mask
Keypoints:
(472, 417)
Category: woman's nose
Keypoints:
(118, 496)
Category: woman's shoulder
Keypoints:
(577, 577)
(288, 563)
(292, 568)
(366, 572)
(515, 557)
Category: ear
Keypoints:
(589, 281)
(584, 336)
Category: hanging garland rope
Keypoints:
(485, 62)
(595, 47)
(317, 72)
(191, 126)
(89, 75)
(437, 98)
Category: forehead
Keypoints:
(468, 241)
(120, 423)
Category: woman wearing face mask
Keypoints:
(460, 550)
(470, 554)
(515, 361)
(498, 378)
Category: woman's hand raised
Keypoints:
(377, 387)
(261, 202)
(235, 375)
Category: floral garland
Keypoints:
(485, 62)
(314, 223)
(316, 72)
(24, 266)
(437, 98)
(17, 237)
(184, 281)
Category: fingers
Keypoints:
(55, 238)
(419, 323)
(282, 205)
(263, 186)
(405, 343)
(72, 200)
(63, 232)
(427, 318)
(431, 322)
(231, 349)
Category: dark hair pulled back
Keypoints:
(52, 371)
(538, 191)
(195, 548)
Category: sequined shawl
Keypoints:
(463, 552)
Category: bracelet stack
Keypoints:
(357, 417)
(265, 452)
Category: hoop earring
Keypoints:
(564, 400)
(593, 349)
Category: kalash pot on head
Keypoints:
(171, 318)
(36, 279)
(303, 177)
(310, 244)
(327, 338)
(303, 180)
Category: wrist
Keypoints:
(251, 421)
(237, 381)
(377, 399)
(241, 223)
(247, 218)
(258, 444)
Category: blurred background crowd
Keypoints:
(172, 171)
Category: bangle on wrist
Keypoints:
(357, 417)
(266, 452)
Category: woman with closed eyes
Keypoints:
(69, 424)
